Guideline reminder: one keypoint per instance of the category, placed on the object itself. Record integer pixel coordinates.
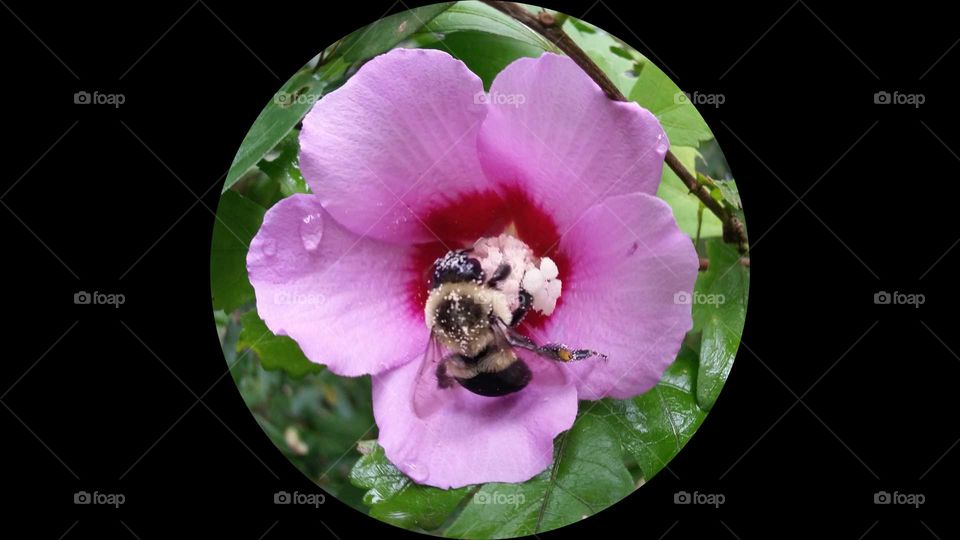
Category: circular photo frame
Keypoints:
(477, 269)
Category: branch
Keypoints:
(546, 25)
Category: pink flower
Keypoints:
(409, 159)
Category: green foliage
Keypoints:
(654, 426)
(283, 113)
(588, 475)
(617, 60)
(313, 421)
(679, 118)
(722, 295)
(383, 35)
(394, 498)
(298, 95)
(686, 206)
(478, 17)
(275, 352)
(238, 220)
(485, 54)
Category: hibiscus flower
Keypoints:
(411, 159)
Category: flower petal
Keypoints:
(553, 132)
(629, 261)
(338, 295)
(473, 439)
(396, 140)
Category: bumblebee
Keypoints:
(473, 334)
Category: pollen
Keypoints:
(538, 276)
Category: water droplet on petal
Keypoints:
(416, 472)
(311, 231)
(269, 247)
(661, 143)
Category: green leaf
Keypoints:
(282, 165)
(485, 54)
(655, 91)
(396, 499)
(472, 16)
(282, 114)
(384, 34)
(275, 352)
(685, 205)
(615, 58)
(654, 426)
(730, 193)
(719, 310)
(587, 476)
(298, 95)
(238, 220)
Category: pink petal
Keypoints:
(398, 139)
(629, 261)
(474, 439)
(553, 132)
(338, 295)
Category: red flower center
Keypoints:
(463, 221)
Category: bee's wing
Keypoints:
(550, 351)
(431, 380)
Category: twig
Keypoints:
(546, 25)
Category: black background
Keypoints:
(104, 399)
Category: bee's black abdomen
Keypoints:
(512, 379)
(456, 267)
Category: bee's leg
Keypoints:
(501, 273)
(561, 353)
(550, 351)
(526, 300)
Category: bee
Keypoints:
(473, 334)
